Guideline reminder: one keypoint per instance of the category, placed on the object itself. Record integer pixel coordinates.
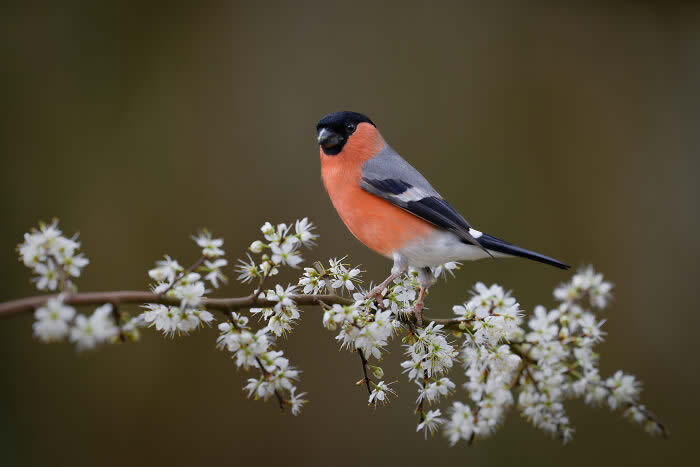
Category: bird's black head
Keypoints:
(335, 129)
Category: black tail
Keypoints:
(495, 244)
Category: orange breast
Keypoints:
(382, 226)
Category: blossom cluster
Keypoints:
(535, 364)
(254, 349)
(541, 365)
(56, 321)
(369, 322)
(491, 320)
(55, 259)
(281, 247)
(430, 356)
(187, 287)
(282, 316)
(361, 329)
(339, 276)
(52, 257)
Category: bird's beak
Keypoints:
(327, 138)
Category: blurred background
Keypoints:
(571, 130)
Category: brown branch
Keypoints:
(121, 297)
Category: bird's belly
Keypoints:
(438, 248)
(377, 223)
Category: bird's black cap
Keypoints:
(338, 120)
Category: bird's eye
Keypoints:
(350, 126)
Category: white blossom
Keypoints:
(213, 272)
(461, 425)
(381, 393)
(281, 295)
(296, 402)
(48, 276)
(312, 282)
(247, 271)
(286, 254)
(447, 268)
(345, 279)
(166, 270)
(433, 390)
(431, 421)
(52, 320)
(585, 282)
(211, 247)
(624, 389)
(163, 318)
(100, 327)
(190, 293)
(304, 232)
(268, 268)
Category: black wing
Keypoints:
(428, 207)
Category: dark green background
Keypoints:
(572, 130)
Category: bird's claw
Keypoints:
(374, 293)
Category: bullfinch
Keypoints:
(391, 208)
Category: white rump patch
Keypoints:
(475, 233)
(441, 247)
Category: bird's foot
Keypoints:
(377, 291)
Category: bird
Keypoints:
(391, 208)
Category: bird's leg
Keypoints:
(400, 266)
(426, 278)
(418, 307)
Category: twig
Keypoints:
(184, 273)
(364, 370)
(62, 279)
(267, 376)
(419, 409)
(117, 321)
(628, 404)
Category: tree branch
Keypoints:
(28, 304)
(120, 297)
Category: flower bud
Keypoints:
(257, 246)
(377, 372)
(267, 229)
